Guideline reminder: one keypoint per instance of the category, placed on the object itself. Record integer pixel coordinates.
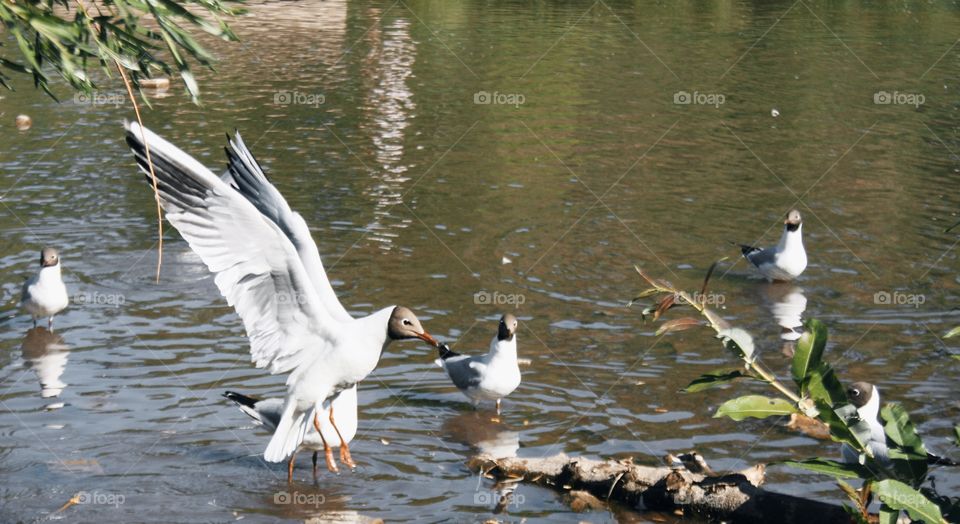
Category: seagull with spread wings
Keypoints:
(268, 268)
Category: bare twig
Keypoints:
(136, 109)
(718, 325)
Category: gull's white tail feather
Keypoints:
(289, 434)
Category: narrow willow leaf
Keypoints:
(714, 378)
(809, 350)
(907, 452)
(822, 384)
(191, 84)
(754, 406)
(900, 429)
(850, 427)
(899, 496)
(953, 332)
(855, 516)
(956, 435)
(644, 294)
(706, 279)
(739, 341)
(665, 303)
(715, 320)
(830, 467)
(888, 515)
(678, 324)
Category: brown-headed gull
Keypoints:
(785, 261)
(45, 294)
(267, 412)
(487, 377)
(269, 269)
(866, 398)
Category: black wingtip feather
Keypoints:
(934, 460)
(241, 399)
(445, 351)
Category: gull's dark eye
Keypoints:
(406, 322)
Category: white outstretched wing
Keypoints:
(246, 175)
(257, 268)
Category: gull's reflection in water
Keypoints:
(482, 431)
(46, 354)
(787, 304)
(489, 437)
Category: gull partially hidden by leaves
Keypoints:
(44, 294)
(487, 377)
(268, 268)
(267, 412)
(866, 398)
(785, 261)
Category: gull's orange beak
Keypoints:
(426, 337)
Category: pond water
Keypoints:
(531, 151)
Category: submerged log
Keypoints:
(687, 483)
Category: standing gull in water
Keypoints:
(785, 261)
(487, 377)
(44, 294)
(267, 412)
(268, 268)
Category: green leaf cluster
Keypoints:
(144, 37)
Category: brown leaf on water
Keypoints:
(678, 324)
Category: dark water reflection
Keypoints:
(416, 194)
